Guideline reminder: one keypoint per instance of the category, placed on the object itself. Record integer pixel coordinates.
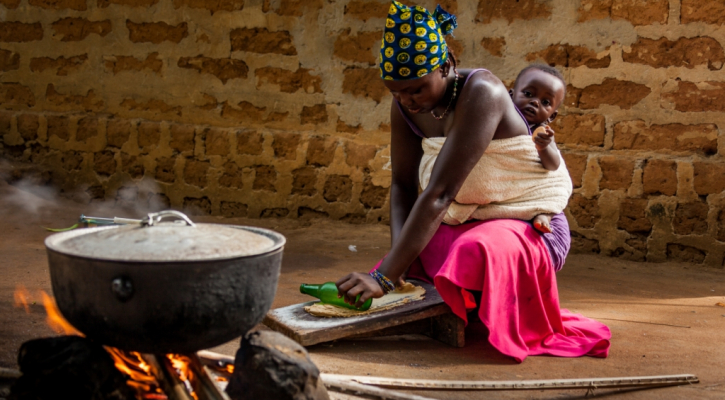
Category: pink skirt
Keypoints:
(508, 262)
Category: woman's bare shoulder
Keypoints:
(483, 83)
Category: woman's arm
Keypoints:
(478, 114)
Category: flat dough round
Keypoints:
(403, 295)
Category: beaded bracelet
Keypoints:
(386, 284)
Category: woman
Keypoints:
(507, 261)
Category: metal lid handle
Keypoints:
(154, 218)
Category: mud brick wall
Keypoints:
(274, 108)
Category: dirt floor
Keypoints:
(664, 317)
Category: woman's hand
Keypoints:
(358, 283)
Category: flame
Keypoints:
(55, 320)
(181, 365)
(21, 297)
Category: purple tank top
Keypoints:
(559, 240)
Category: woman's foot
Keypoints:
(542, 223)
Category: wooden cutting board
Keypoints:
(430, 316)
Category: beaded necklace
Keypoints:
(455, 91)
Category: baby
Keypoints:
(538, 91)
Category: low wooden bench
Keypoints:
(430, 317)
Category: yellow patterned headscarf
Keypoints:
(413, 44)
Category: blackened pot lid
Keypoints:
(157, 241)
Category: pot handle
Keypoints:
(154, 218)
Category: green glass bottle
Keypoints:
(327, 293)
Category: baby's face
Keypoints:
(538, 95)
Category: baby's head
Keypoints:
(538, 91)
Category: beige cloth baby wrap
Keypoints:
(507, 182)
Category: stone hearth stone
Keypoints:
(69, 367)
(269, 365)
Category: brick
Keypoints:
(249, 112)
(132, 165)
(636, 135)
(583, 245)
(709, 177)
(118, 64)
(316, 114)
(58, 126)
(76, 29)
(158, 202)
(338, 188)
(87, 128)
(575, 129)
(682, 253)
(285, 145)
(13, 31)
(149, 133)
(153, 105)
(165, 169)
(566, 55)
(16, 96)
(720, 235)
(232, 176)
(195, 172)
(309, 213)
(264, 178)
(343, 127)
(354, 219)
(585, 211)
(104, 163)
(211, 5)
(233, 209)
(127, 3)
(78, 5)
(511, 10)
(223, 68)
(304, 181)
(197, 206)
(364, 10)
(321, 151)
(61, 64)
(216, 142)
(639, 242)
(571, 99)
(117, 132)
(71, 160)
(156, 32)
(683, 52)
(692, 97)
(9, 61)
(632, 216)
(250, 142)
(362, 47)
(10, 4)
(364, 82)
(709, 12)
(373, 196)
(274, 213)
(261, 40)
(87, 102)
(616, 173)
(289, 81)
(455, 46)
(690, 218)
(357, 155)
(494, 45)
(28, 125)
(623, 94)
(576, 164)
(297, 8)
(96, 192)
(6, 121)
(660, 177)
(182, 137)
(637, 12)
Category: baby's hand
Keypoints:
(543, 136)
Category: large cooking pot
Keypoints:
(165, 287)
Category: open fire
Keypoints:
(152, 377)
